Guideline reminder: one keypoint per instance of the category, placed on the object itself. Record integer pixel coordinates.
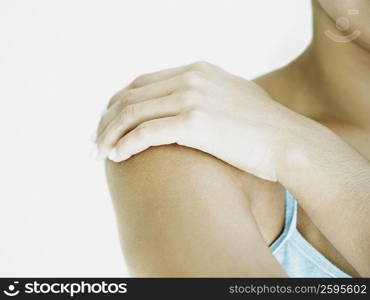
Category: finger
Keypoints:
(146, 91)
(135, 114)
(163, 75)
(168, 73)
(149, 78)
(156, 132)
(117, 96)
(151, 91)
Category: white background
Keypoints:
(60, 61)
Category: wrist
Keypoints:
(300, 147)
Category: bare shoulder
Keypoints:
(182, 212)
(175, 164)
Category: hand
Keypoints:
(199, 106)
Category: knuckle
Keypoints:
(188, 97)
(193, 115)
(127, 113)
(114, 98)
(192, 79)
(129, 96)
(117, 96)
(138, 81)
(202, 66)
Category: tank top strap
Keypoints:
(290, 221)
(290, 212)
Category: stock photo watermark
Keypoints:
(12, 289)
(343, 25)
(70, 289)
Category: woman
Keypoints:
(264, 178)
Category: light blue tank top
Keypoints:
(296, 255)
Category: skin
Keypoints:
(211, 206)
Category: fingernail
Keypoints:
(112, 154)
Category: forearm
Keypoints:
(331, 181)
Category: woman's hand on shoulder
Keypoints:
(203, 107)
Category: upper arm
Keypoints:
(182, 212)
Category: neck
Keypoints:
(335, 74)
